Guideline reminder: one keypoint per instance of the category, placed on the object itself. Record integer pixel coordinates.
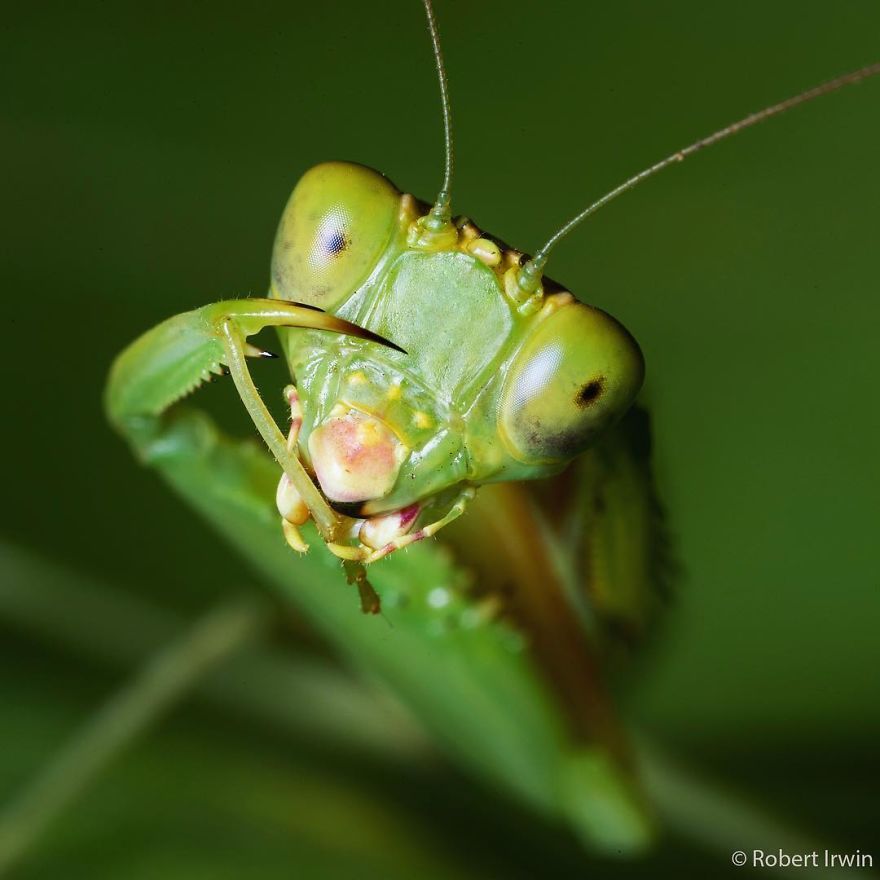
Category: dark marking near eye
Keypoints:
(589, 393)
(557, 446)
(335, 243)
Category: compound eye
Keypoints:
(577, 373)
(338, 221)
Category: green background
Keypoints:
(147, 151)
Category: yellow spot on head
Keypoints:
(357, 378)
(421, 419)
(369, 433)
(394, 392)
(486, 251)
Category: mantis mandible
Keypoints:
(402, 406)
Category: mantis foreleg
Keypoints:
(174, 358)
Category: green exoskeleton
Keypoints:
(428, 359)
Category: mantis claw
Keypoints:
(252, 315)
(170, 361)
(173, 359)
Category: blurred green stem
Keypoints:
(265, 683)
(163, 680)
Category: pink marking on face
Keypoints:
(408, 514)
(356, 457)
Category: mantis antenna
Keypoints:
(530, 275)
(441, 213)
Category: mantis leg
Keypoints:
(174, 358)
(325, 518)
(367, 554)
(293, 509)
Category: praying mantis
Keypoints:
(453, 363)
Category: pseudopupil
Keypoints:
(334, 243)
(590, 392)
